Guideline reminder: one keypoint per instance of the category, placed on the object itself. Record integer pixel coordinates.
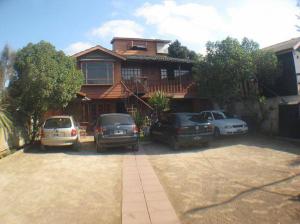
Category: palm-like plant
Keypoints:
(5, 121)
(159, 101)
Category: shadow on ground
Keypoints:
(157, 148)
(248, 140)
(86, 149)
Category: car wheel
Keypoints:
(99, 148)
(42, 147)
(175, 144)
(205, 144)
(135, 147)
(76, 146)
(94, 139)
(217, 133)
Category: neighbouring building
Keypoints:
(123, 79)
(285, 117)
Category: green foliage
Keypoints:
(6, 65)
(224, 73)
(138, 119)
(159, 101)
(5, 121)
(176, 50)
(46, 80)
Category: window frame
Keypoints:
(83, 65)
(132, 73)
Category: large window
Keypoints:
(97, 72)
(131, 73)
(178, 72)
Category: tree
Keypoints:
(224, 74)
(176, 50)
(6, 65)
(46, 80)
(159, 101)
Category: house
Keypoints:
(123, 79)
(286, 112)
(288, 54)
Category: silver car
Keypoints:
(60, 131)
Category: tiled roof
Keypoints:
(156, 58)
(100, 48)
(140, 39)
(284, 46)
(102, 92)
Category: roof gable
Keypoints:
(98, 48)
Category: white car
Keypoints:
(224, 123)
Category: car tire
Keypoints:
(43, 148)
(175, 144)
(135, 147)
(217, 133)
(94, 139)
(205, 144)
(76, 146)
(99, 148)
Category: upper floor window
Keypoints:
(131, 73)
(178, 72)
(137, 45)
(163, 73)
(98, 72)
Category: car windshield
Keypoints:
(116, 119)
(58, 123)
(228, 115)
(218, 116)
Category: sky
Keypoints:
(75, 25)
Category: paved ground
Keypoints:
(61, 186)
(237, 180)
(144, 199)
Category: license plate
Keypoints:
(119, 132)
(197, 138)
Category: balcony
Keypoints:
(145, 86)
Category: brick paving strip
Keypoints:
(144, 199)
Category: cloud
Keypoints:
(77, 47)
(191, 23)
(265, 21)
(120, 28)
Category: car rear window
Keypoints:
(116, 119)
(191, 118)
(58, 123)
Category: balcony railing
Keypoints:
(178, 85)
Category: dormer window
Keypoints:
(138, 45)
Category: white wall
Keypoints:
(296, 55)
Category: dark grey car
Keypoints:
(179, 129)
(114, 130)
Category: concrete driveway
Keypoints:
(61, 186)
(235, 180)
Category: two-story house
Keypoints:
(123, 79)
(286, 114)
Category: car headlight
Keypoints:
(228, 126)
